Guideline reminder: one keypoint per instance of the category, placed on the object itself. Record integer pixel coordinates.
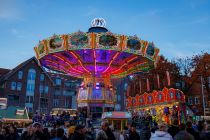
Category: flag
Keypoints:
(20, 112)
(168, 78)
(148, 87)
(158, 81)
(140, 85)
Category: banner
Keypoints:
(3, 103)
(168, 78)
(148, 86)
(158, 81)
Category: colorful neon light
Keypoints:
(94, 55)
(116, 55)
(80, 62)
(125, 64)
(59, 57)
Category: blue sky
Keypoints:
(178, 27)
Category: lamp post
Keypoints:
(203, 96)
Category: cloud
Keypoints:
(9, 9)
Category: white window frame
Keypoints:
(196, 100)
(19, 86)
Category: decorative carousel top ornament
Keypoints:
(98, 22)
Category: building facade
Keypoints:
(196, 95)
(29, 85)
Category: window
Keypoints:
(20, 74)
(13, 85)
(160, 97)
(29, 99)
(19, 86)
(31, 74)
(30, 109)
(55, 102)
(197, 100)
(58, 81)
(46, 89)
(67, 84)
(190, 100)
(178, 85)
(43, 102)
(57, 91)
(209, 82)
(41, 77)
(13, 98)
(171, 95)
(67, 103)
(30, 87)
(41, 89)
(68, 93)
(118, 97)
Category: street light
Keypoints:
(203, 96)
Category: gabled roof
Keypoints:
(3, 72)
(14, 70)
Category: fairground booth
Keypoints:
(117, 119)
(163, 106)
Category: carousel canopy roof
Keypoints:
(97, 53)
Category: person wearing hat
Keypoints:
(79, 133)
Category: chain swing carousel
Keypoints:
(96, 56)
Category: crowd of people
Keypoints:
(67, 127)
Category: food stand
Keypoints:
(117, 119)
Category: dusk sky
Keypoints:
(178, 27)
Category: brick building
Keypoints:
(194, 97)
(29, 85)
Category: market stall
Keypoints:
(117, 119)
